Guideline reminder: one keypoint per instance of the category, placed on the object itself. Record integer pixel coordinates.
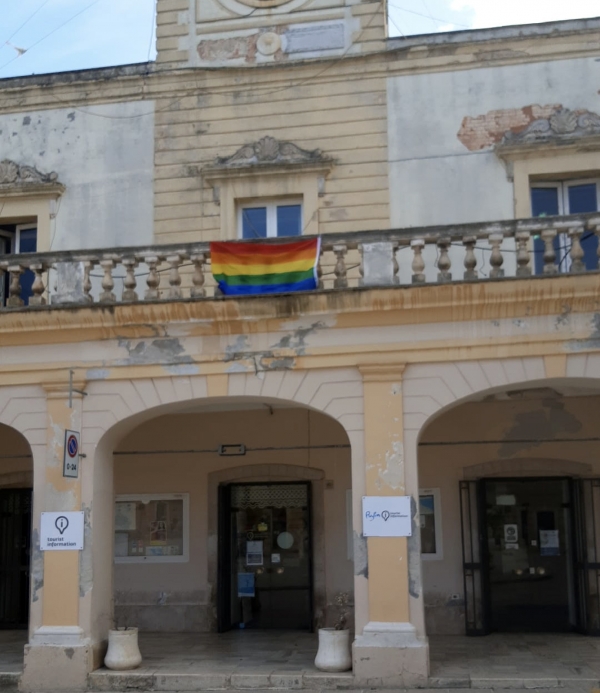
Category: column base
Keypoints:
(390, 655)
(58, 658)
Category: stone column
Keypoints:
(58, 654)
(389, 652)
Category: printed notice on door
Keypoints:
(549, 542)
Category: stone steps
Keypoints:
(104, 680)
(9, 680)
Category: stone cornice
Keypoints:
(359, 307)
(116, 86)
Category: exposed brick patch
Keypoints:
(245, 47)
(483, 131)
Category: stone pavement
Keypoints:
(523, 660)
(278, 661)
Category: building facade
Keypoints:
(450, 353)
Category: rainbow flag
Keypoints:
(242, 268)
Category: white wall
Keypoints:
(104, 155)
(434, 178)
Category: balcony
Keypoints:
(499, 251)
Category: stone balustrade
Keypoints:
(418, 256)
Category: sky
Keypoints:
(39, 36)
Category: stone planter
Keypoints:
(334, 650)
(123, 650)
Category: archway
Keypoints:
(510, 510)
(170, 474)
(16, 489)
(113, 409)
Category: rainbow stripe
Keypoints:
(242, 268)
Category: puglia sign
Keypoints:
(61, 531)
(386, 516)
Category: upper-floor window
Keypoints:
(566, 197)
(14, 239)
(270, 218)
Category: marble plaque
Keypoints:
(314, 37)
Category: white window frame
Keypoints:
(271, 203)
(562, 186)
(145, 498)
(437, 523)
(563, 189)
(17, 235)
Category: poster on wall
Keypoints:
(124, 516)
(386, 516)
(61, 531)
(158, 533)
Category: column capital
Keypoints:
(381, 372)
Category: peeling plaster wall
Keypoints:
(443, 467)
(177, 596)
(445, 154)
(103, 154)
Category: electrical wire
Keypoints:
(31, 16)
(85, 9)
(255, 89)
(429, 16)
(152, 28)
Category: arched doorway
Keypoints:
(232, 514)
(16, 485)
(510, 510)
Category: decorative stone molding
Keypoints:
(22, 179)
(563, 132)
(562, 124)
(268, 151)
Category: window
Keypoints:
(430, 514)
(14, 239)
(566, 197)
(270, 219)
(152, 528)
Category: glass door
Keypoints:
(529, 542)
(268, 556)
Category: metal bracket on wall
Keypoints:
(72, 390)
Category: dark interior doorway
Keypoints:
(15, 544)
(530, 554)
(265, 556)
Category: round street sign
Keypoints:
(72, 446)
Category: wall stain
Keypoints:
(393, 474)
(546, 423)
(157, 351)
(297, 339)
(361, 558)
(86, 574)
(414, 553)
(593, 341)
(37, 565)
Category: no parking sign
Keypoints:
(71, 458)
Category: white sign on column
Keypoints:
(61, 531)
(386, 516)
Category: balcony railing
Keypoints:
(417, 256)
